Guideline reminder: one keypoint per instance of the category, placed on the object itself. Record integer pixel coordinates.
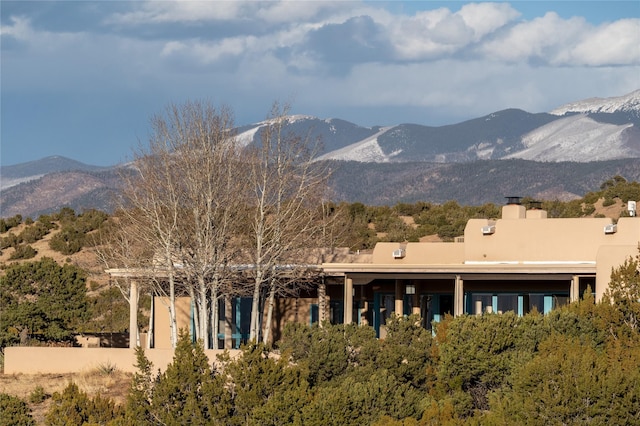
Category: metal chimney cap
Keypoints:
(513, 200)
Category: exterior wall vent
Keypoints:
(398, 253)
(612, 228)
(488, 230)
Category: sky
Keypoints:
(82, 79)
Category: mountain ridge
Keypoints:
(570, 153)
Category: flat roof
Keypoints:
(512, 268)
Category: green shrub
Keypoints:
(65, 215)
(33, 233)
(6, 224)
(38, 395)
(189, 391)
(68, 241)
(23, 252)
(42, 298)
(14, 411)
(74, 407)
(90, 220)
(11, 240)
(608, 202)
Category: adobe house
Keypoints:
(521, 262)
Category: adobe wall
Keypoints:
(566, 239)
(537, 240)
(287, 310)
(46, 360)
(609, 258)
(419, 253)
(162, 329)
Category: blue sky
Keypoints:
(82, 78)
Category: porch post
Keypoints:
(458, 296)
(133, 314)
(399, 295)
(322, 303)
(415, 310)
(348, 300)
(574, 290)
(228, 313)
(152, 320)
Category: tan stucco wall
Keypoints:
(34, 360)
(419, 253)
(609, 258)
(287, 310)
(161, 327)
(537, 240)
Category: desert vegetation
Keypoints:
(574, 366)
(198, 199)
(100, 307)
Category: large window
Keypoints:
(519, 303)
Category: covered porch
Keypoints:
(368, 294)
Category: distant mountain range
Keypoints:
(561, 154)
(590, 130)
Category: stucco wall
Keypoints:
(43, 360)
(537, 240)
(161, 325)
(420, 253)
(610, 257)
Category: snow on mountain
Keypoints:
(246, 137)
(368, 150)
(6, 183)
(577, 138)
(626, 103)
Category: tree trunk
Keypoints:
(270, 305)
(172, 311)
(254, 333)
(204, 314)
(196, 313)
(214, 317)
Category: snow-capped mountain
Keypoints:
(405, 162)
(627, 103)
(579, 138)
(590, 130)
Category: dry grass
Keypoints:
(114, 385)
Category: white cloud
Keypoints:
(616, 43)
(539, 39)
(20, 28)
(440, 32)
(469, 62)
(185, 11)
(485, 18)
(568, 42)
(489, 30)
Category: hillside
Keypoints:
(557, 155)
(472, 183)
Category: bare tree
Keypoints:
(208, 158)
(181, 203)
(152, 208)
(287, 188)
(115, 245)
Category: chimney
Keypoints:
(513, 209)
(535, 210)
